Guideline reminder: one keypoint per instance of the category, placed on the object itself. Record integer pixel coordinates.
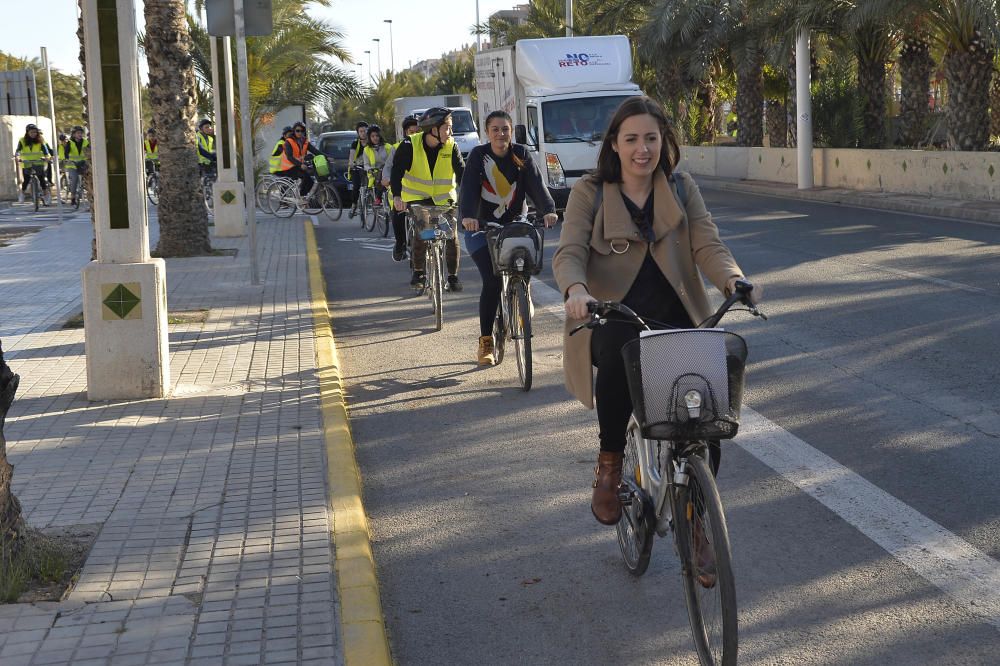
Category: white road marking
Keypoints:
(943, 559)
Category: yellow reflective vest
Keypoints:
(418, 181)
(31, 155)
(72, 154)
(152, 152)
(206, 142)
(274, 162)
(370, 154)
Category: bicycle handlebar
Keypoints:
(599, 310)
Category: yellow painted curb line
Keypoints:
(361, 621)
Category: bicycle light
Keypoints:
(692, 400)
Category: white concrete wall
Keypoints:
(952, 174)
(11, 131)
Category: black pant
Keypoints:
(305, 180)
(398, 226)
(489, 297)
(358, 177)
(26, 174)
(614, 403)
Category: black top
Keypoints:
(402, 160)
(494, 188)
(651, 295)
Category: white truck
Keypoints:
(561, 93)
(463, 121)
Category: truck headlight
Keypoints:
(557, 177)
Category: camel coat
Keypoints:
(685, 243)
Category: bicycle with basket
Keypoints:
(517, 252)
(686, 387)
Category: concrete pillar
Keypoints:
(124, 291)
(803, 108)
(230, 210)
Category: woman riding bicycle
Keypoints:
(375, 155)
(33, 154)
(292, 159)
(630, 241)
(498, 177)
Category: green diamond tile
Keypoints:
(121, 301)
(228, 196)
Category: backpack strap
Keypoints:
(679, 190)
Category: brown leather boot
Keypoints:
(607, 477)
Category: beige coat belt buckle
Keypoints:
(616, 250)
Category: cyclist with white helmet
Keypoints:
(425, 170)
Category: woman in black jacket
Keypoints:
(498, 177)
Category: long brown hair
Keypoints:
(609, 166)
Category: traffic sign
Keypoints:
(222, 20)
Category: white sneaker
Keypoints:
(20, 196)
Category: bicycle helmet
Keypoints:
(151, 131)
(76, 128)
(410, 121)
(360, 124)
(30, 126)
(286, 129)
(203, 122)
(63, 137)
(434, 117)
(297, 125)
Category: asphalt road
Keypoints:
(862, 502)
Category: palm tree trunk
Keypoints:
(915, 66)
(182, 216)
(777, 123)
(995, 104)
(792, 106)
(750, 103)
(706, 120)
(871, 89)
(969, 73)
(11, 522)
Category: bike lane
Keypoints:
(478, 498)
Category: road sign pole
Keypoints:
(247, 133)
(55, 131)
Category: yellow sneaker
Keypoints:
(485, 353)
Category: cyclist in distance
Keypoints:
(410, 127)
(354, 164)
(633, 244)
(499, 177)
(375, 155)
(151, 151)
(296, 148)
(74, 156)
(31, 152)
(425, 170)
(206, 148)
(274, 162)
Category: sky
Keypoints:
(415, 37)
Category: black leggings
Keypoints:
(489, 297)
(614, 404)
(399, 226)
(358, 177)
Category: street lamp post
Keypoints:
(378, 52)
(392, 57)
(369, 54)
(479, 37)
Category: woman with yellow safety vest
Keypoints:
(274, 162)
(354, 164)
(33, 154)
(425, 170)
(296, 148)
(151, 151)
(376, 154)
(206, 148)
(74, 159)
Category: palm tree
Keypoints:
(456, 75)
(172, 95)
(995, 101)
(915, 67)
(11, 522)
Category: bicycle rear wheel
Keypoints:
(635, 529)
(702, 533)
(207, 185)
(520, 329)
(282, 197)
(499, 335)
(260, 194)
(152, 189)
(332, 205)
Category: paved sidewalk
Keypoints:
(964, 209)
(214, 545)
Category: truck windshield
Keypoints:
(462, 122)
(582, 119)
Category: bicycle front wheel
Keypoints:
(520, 328)
(36, 195)
(707, 567)
(368, 211)
(260, 194)
(385, 216)
(436, 285)
(635, 529)
(331, 202)
(152, 189)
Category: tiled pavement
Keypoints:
(214, 543)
